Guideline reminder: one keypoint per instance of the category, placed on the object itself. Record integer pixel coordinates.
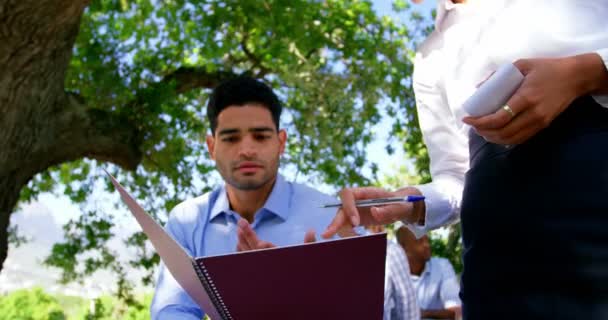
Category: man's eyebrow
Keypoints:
(228, 131)
(261, 129)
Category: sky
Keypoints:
(41, 221)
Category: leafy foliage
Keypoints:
(336, 64)
(35, 304)
(30, 305)
(449, 247)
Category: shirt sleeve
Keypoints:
(446, 143)
(170, 300)
(449, 288)
(603, 53)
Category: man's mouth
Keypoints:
(247, 167)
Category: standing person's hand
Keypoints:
(349, 216)
(248, 239)
(549, 86)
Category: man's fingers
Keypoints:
(242, 244)
(347, 232)
(388, 214)
(265, 245)
(310, 237)
(248, 239)
(249, 236)
(347, 197)
(370, 193)
(335, 225)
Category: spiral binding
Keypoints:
(211, 289)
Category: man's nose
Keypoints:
(248, 148)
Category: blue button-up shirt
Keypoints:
(206, 226)
(437, 286)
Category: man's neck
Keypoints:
(247, 202)
(416, 266)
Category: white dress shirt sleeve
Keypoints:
(446, 143)
(603, 53)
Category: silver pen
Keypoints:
(377, 202)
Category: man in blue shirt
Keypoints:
(433, 278)
(256, 207)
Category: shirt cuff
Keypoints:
(439, 211)
(451, 304)
(602, 99)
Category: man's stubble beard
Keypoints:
(270, 173)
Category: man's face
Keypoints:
(246, 146)
(418, 248)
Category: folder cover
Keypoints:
(335, 279)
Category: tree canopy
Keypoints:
(123, 84)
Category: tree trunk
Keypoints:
(40, 124)
(8, 200)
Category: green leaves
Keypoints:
(31, 304)
(87, 235)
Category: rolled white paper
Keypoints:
(494, 92)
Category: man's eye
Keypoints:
(262, 137)
(230, 139)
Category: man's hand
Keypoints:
(448, 313)
(349, 216)
(549, 86)
(248, 239)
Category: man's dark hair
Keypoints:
(238, 92)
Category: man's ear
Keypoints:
(282, 139)
(211, 146)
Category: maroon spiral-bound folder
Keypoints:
(335, 279)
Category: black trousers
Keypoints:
(535, 222)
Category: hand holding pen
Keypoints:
(375, 206)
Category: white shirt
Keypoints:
(471, 41)
(400, 301)
(437, 286)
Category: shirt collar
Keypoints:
(445, 6)
(221, 205)
(278, 201)
(427, 268)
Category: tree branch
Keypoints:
(257, 63)
(81, 131)
(187, 78)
